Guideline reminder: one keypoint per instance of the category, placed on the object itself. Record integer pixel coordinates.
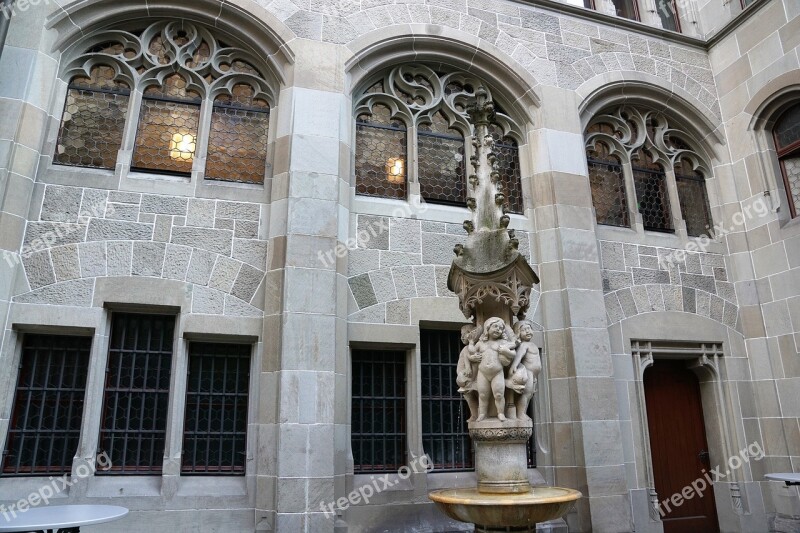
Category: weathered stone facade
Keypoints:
(305, 270)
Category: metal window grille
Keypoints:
(135, 402)
(693, 199)
(381, 163)
(651, 193)
(787, 143)
(608, 187)
(378, 410)
(507, 152)
(93, 121)
(445, 436)
(441, 168)
(237, 145)
(215, 429)
(45, 421)
(168, 121)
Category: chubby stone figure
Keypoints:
(493, 352)
(523, 374)
(467, 371)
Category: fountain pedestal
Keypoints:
(501, 457)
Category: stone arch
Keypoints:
(648, 90)
(245, 22)
(376, 51)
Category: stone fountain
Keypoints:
(499, 366)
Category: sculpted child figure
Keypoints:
(525, 368)
(466, 370)
(493, 352)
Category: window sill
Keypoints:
(124, 486)
(212, 485)
(654, 238)
(397, 483)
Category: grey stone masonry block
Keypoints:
(164, 205)
(689, 300)
(613, 308)
(717, 308)
(236, 307)
(40, 235)
(200, 213)
(372, 315)
(649, 261)
(66, 264)
(306, 25)
(612, 255)
(373, 232)
(640, 297)
(730, 316)
(362, 260)
(238, 210)
(643, 276)
(720, 274)
(224, 223)
(207, 301)
(93, 204)
(655, 297)
(148, 259)
(224, 273)
(626, 301)
(441, 281)
(118, 230)
(247, 282)
(147, 218)
(246, 229)
(405, 235)
(726, 291)
(251, 252)
(176, 262)
(178, 221)
(75, 293)
(398, 312)
(600, 46)
(362, 290)
(647, 250)
(631, 255)
(615, 280)
(162, 229)
(673, 297)
(693, 264)
(437, 248)
(93, 259)
(456, 229)
(535, 20)
(129, 212)
(703, 304)
(425, 281)
(124, 197)
(61, 204)
(395, 259)
(200, 267)
(383, 285)
(433, 227)
(38, 269)
(213, 240)
(404, 282)
(703, 283)
(118, 255)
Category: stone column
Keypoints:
(303, 334)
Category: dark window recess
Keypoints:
(651, 193)
(135, 402)
(215, 431)
(45, 421)
(381, 163)
(441, 162)
(445, 436)
(693, 199)
(628, 9)
(608, 187)
(668, 13)
(787, 143)
(378, 436)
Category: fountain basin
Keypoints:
(505, 510)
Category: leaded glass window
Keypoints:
(413, 109)
(787, 143)
(639, 153)
(167, 72)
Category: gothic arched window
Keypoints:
(787, 143)
(636, 153)
(196, 104)
(412, 126)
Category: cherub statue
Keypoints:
(524, 371)
(493, 352)
(466, 370)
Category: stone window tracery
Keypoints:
(637, 154)
(787, 143)
(411, 126)
(196, 104)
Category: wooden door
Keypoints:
(678, 446)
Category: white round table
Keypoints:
(790, 478)
(57, 517)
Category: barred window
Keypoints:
(93, 121)
(217, 391)
(135, 402)
(787, 143)
(636, 151)
(412, 109)
(168, 71)
(378, 433)
(45, 424)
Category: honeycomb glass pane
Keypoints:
(507, 152)
(380, 164)
(608, 187)
(787, 130)
(167, 137)
(441, 165)
(791, 171)
(651, 192)
(693, 199)
(237, 145)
